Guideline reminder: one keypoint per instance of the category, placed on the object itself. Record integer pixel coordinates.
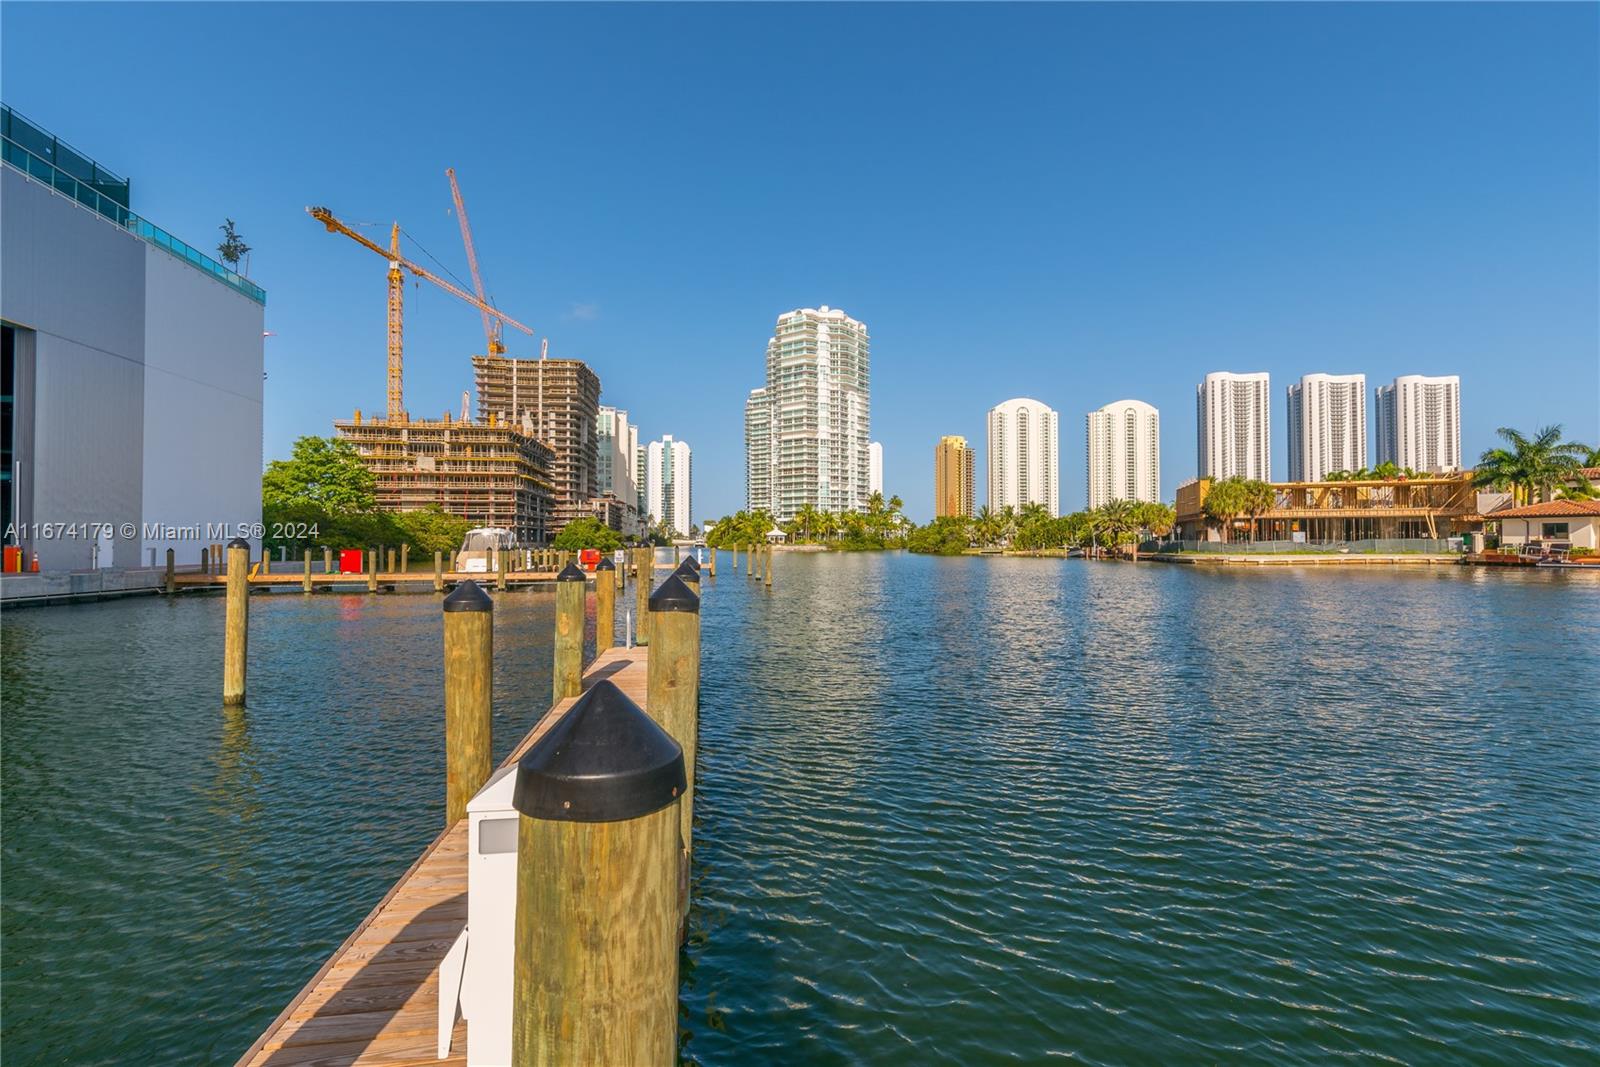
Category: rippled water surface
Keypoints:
(963, 811)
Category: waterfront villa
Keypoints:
(1575, 522)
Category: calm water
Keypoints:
(961, 811)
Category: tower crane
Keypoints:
(491, 326)
(397, 265)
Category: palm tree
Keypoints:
(985, 527)
(1538, 464)
(1259, 498)
(1119, 518)
(1224, 503)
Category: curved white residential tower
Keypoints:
(1419, 423)
(1233, 422)
(1124, 450)
(1327, 425)
(1024, 444)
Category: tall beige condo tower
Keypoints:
(1024, 446)
(807, 438)
(1327, 425)
(1124, 453)
(1233, 423)
(953, 479)
(1419, 423)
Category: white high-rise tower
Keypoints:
(1124, 453)
(807, 429)
(1234, 426)
(1327, 425)
(1024, 446)
(669, 485)
(1419, 423)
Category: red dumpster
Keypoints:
(350, 561)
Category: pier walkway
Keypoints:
(376, 1000)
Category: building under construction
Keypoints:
(559, 399)
(1431, 507)
(485, 472)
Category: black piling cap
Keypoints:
(691, 561)
(605, 564)
(467, 596)
(572, 573)
(239, 542)
(605, 761)
(673, 595)
(687, 573)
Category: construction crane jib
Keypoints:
(397, 265)
(491, 326)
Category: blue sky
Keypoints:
(1076, 203)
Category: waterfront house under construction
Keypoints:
(488, 473)
(1404, 508)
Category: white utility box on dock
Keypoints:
(489, 939)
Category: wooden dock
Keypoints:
(376, 1000)
(385, 578)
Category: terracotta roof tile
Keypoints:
(1550, 509)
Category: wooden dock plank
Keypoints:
(375, 1002)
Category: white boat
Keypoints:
(478, 549)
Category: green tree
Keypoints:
(430, 530)
(232, 249)
(1225, 502)
(321, 472)
(587, 532)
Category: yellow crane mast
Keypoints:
(397, 264)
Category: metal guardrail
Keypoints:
(42, 170)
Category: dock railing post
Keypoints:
(172, 571)
(673, 688)
(236, 630)
(305, 582)
(568, 678)
(468, 696)
(605, 605)
(438, 571)
(595, 953)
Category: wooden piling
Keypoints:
(568, 676)
(236, 630)
(172, 571)
(438, 572)
(372, 571)
(673, 692)
(645, 569)
(595, 956)
(389, 559)
(305, 581)
(605, 605)
(501, 562)
(711, 564)
(327, 560)
(205, 561)
(405, 559)
(768, 568)
(468, 696)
